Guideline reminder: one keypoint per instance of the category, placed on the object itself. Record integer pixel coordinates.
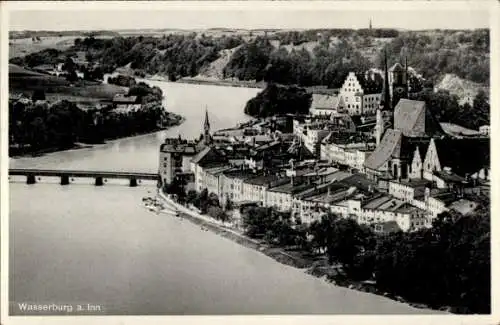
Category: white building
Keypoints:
(360, 94)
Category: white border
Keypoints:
(493, 6)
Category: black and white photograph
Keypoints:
(235, 159)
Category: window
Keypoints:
(164, 165)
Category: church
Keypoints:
(176, 154)
(410, 142)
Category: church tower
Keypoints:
(385, 100)
(206, 129)
(399, 78)
(379, 128)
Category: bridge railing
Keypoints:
(65, 175)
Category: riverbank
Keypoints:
(81, 145)
(321, 90)
(312, 266)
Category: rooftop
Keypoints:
(216, 170)
(414, 183)
(463, 206)
(263, 179)
(359, 181)
(412, 118)
(291, 188)
(239, 173)
(449, 176)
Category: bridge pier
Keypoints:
(30, 179)
(98, 181)
(133, 182)
(64, 180)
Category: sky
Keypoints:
(209, 15)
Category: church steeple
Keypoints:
(407, 77)
(385, 101)
(379, 128)
(206, 128)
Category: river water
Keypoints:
(82, 244)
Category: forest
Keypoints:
(38, 125)
(446, 265)
(333, 53)
(276, 100)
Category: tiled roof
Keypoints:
(413, 119)
(198, 158)
(388, 147)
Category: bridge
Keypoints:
(67, 176)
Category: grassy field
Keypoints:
(26, 81)
(25, 46)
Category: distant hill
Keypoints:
(319, 57)
(26, 81)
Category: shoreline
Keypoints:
(320, 90)
(278, 254)
(82, 145)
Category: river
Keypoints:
(82, 244)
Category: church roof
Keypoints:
(396, 67)
(389, 146)
(412, 118)
(409, 145)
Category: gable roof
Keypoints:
(409, 145)
(413, 119)
(208, 156)
(388, 147)
(397, 67)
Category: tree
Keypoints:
(229, 204)
(203, 201)
(38, 94)
(191, 196)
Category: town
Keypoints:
(369, 155)
(357, 156)
(379, 158)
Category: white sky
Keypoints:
(198, 15)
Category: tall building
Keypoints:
(359, 94)
(398, 80)
(206, 129)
